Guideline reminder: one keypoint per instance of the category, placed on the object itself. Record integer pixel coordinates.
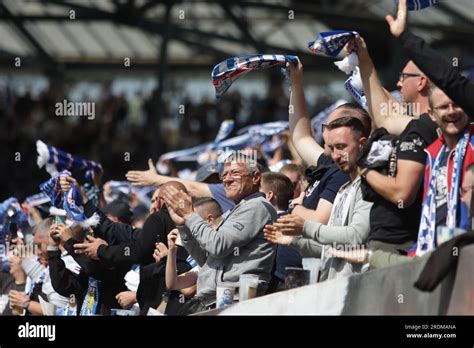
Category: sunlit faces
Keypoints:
(238, 181)
(451, 119)
(344, 148)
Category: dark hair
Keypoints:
(210, 204)
(281, 187)
(357, 111)
(351, 122)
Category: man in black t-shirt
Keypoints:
(395, 215)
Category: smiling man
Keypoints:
(348, 224)
(448, 158)
(239, 246)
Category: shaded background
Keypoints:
(172, 47)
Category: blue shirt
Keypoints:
(327, 187)
(218, 193)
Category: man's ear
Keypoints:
(423, 85)
(257, 178)
(210, 219)
(431, 113)
(362, 141)
(269, 195)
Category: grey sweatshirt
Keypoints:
(353, 231)
(236, 247)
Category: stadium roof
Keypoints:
(104, 32)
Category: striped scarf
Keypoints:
(331, 43)
(91, 300)
(229, 70)
(426, 234)
(57, 160)
(415, 5)
(71, 201)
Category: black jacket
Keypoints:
(152, 285)
(441, 72)
(140, 248)
(65, 282)
(112, 278)
(113, 233)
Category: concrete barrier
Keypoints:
(386, 291)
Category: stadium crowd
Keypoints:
(376, 192)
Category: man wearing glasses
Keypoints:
(237, 246)
(448, 159)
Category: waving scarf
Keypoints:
(57, 160)
(229, 70)
(71, 202)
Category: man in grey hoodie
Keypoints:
(349, 224)
(237, 246)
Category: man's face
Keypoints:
(451, 119)
(344, 148)
(238, 181)
(332, 116)
(409, 83)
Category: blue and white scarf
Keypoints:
(71, 202)
(355, 88)
(249, 136)
(331, 43)
(37, 199)
(91, 300)
(57, 160)
(229, 70)
(11, 213)
(268, 129)
(426, 233)
(415, 5)
(227, 126)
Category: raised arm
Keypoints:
(442, 73)
(378, 98)
(174, 281)
(300, 124)
(151, 177)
